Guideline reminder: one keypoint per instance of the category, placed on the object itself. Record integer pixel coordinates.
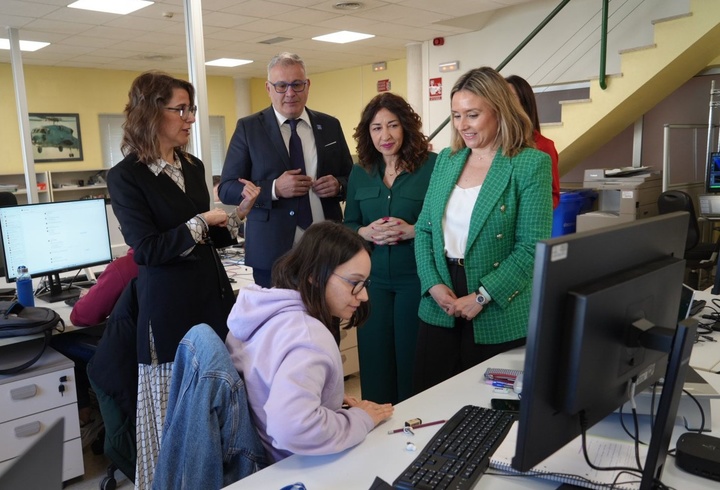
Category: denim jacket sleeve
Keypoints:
(209, 439)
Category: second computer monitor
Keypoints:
(594, 294)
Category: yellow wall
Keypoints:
(89, 93)
(341, 93)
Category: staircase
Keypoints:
(683, 47)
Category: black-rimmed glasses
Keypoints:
(184, 111)
(282, 87)
(357, 286)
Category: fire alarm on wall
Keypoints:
(438, 41)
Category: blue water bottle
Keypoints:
(25, 287)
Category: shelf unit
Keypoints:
(18, 180)
(58, 185)
(72, 185)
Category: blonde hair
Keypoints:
(515, 131)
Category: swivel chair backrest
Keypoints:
(6, 199)
(671, 201)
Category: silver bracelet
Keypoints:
(205, 224)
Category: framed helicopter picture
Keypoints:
(55, 137)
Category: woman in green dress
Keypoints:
(385, 195)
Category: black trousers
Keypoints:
(444, 352)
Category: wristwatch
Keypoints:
(482, 297)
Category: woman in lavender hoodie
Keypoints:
(284, 342)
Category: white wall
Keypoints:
(566, 51)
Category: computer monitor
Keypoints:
(55, 237)
(712, 179)
(603, 313)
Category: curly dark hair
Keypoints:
(149, 94)
(307, 267)
(414, 150)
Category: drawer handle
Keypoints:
(344, 358)
(28, 429)
(23, 392)
(343, 334)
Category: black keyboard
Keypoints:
(72, 301)
(460, 452)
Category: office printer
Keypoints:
(624, 195)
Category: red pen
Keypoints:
(420, 426)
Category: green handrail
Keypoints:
(515, 51)
(603, 44)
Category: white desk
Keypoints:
(385, 456)
(59, 306)
(706, 354)
(240, 274)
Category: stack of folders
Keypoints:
(568, 464)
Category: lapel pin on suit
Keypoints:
(319, 126)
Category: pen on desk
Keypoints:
(499, 384)
(428, 424)
(508, 379)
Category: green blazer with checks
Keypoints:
(512, 212)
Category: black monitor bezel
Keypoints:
(709, 187)
(560, 264)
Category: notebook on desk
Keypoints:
(568, 465)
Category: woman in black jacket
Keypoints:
(161, 200)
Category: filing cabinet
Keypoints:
(33, 399)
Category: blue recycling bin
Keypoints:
(589, 197)
(572, 203)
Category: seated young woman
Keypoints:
(284, 342)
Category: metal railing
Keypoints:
(529, 37)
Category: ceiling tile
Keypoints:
(234, 28)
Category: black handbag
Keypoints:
(17, 320)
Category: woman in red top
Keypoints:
(523, 91)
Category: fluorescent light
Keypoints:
(342, 37)
(24, 45)
(228, 62)
(121, 7)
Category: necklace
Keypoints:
(480, 158)
(392, 174)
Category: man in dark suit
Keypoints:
(261, 151)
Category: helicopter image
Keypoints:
(54, 135)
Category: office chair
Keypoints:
(698, 255)
(6, 199)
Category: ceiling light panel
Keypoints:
(121, 7)
(228, 62)
(342, 37)
(24, 45)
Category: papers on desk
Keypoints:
(625, 171)
(568, 464)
